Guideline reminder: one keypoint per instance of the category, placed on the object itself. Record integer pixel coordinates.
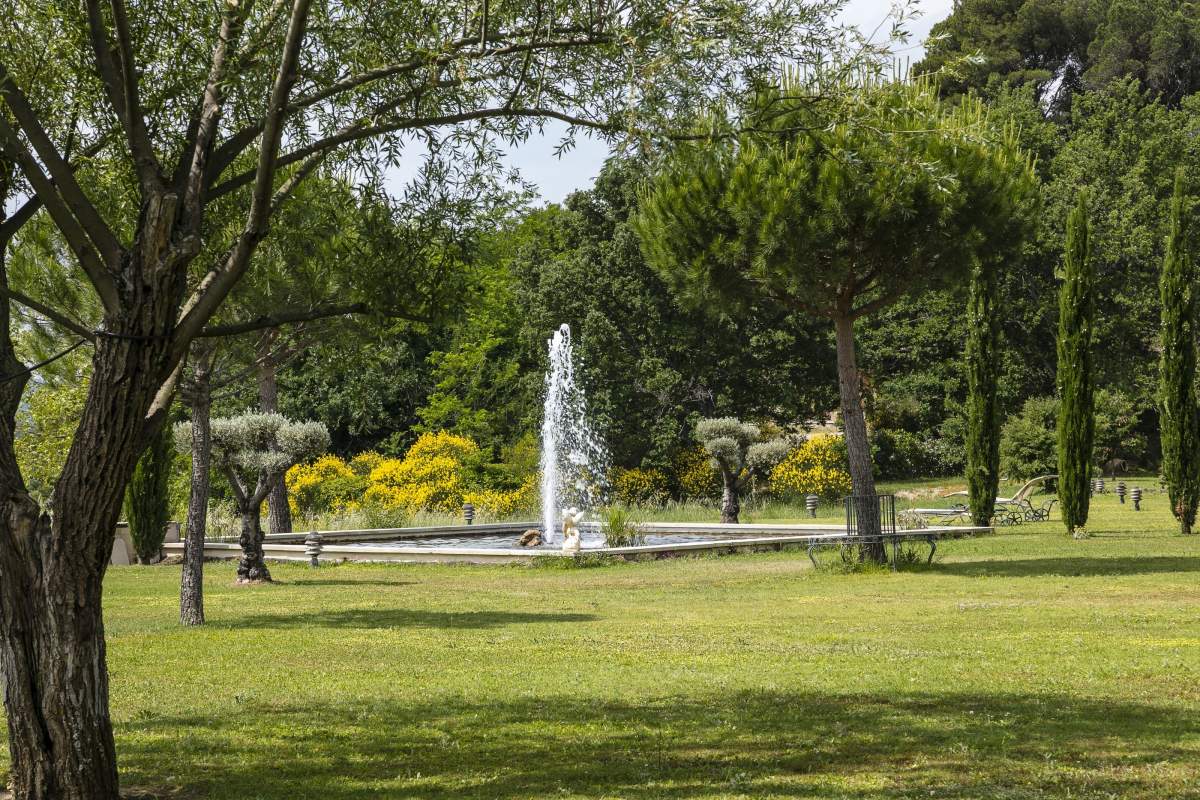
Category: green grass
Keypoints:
(1025, 665)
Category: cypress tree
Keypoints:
(147, 500)
(1180, 418)
(983, 406)
(1076, 412)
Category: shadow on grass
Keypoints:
(746, 744)
(400, 618)
(1069, 567)
(346, 582)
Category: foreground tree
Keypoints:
(1178, 412)
(739, 456)
(280, 87)
(254, 451)
(840, 221)
(983, 400)
(1076, 389)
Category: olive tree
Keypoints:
(840, 220)
(254, 450)
(739, 456)
(209, 106)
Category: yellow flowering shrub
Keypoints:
(500, 503)
(698, 477)
(321, 486)
(816, 467)
(364, 462)
(639, 487)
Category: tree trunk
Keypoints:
(191, 585)
(279, 513)
(52, 567)
(252, 568)
(858, 446)
(731, 505)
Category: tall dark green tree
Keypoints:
(839, 221)
(1076, 389)
(1179, 416)
(148, 498)
(983, 399)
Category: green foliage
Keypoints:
(148, 497)
(1076, 384)
(620, 529)
(983, 403)
(903, 454)
(1179, 414)
(46, 424)
(898, 198)
(1083, 43)
(1028, 443)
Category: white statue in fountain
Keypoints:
(571, 517)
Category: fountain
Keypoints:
(574, 463)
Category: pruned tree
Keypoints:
(1076, 384)
(264, 95)
(254, 451)
(740, 456)
(1178, 411)
(839, 221)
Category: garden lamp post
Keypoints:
(810, 502)
(1121, 492)
(469, 513)
(1136, 496)
(312, 548)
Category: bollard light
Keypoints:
(810, 503)
(1121, 492)
(312, 548)
(1099, 485)
(1136, 497)
(469, 513)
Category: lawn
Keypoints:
(1017, 666)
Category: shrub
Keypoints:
(432, 476)
(325, 485)
(1028, 442)
(619, 528)
(148, 497)
(639, 487)
(696, 475)
(818, 466)
(363, 463)
(501, 503)
(903, 454)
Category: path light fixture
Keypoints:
(1136, 496)
(1121, 492)
(469, 513)
(312, 548)
(810, 502)
(1099, 485)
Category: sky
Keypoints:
(558, 177)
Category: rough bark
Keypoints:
(252, 568)
(858, 447)
(52, 567)
(731, 505)
(279, 513)
(191, 584)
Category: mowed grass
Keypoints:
(1024, 665)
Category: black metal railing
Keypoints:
(871, 515)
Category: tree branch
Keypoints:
(48, 312)
(118, 73)
(216, 285)
(73, 197)
(77, 239)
